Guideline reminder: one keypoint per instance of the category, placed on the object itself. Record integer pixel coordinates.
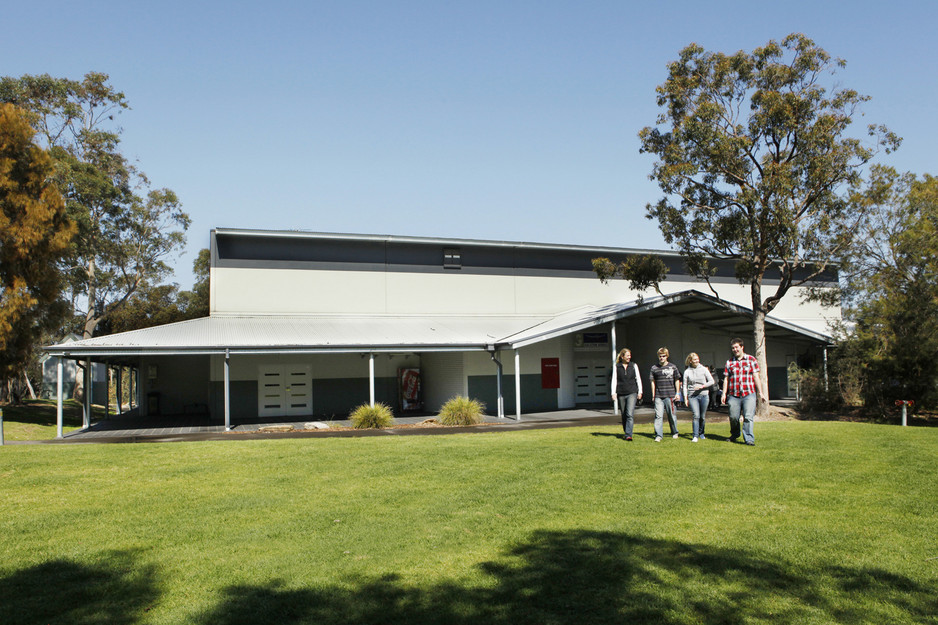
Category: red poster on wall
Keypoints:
(550, 373)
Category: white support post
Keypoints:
(227, 393)
(107, 391)
(120, 390)
(58, 397)
(612, 334)
(89, 391)
(826, 389)
(371, 378)
(517, 385)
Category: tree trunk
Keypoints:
(759, 350)
(32, 393)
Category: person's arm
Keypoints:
(615, 381)
(709, 378)
(757, 380)
(638, 380)
(726, 380)
(651, 382)
(677, 384)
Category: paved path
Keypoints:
(130, 428)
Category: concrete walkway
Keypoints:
(133, 429)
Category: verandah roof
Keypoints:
(393, 333)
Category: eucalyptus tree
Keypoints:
(757, 166)
(890, 286)
(35, 233)
(126, 229)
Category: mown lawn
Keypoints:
(822, 522)
(35, 420)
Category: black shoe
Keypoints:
(733, 439)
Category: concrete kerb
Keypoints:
(556, 419)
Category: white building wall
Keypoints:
(298, 291)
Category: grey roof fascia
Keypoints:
(390, 238)
(98, 352)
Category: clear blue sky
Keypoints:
(492, 120)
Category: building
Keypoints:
(309, 324)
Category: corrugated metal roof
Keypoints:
(308, 333)
(690, 306)
(383, 333)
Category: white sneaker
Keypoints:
(675, 436)
(657, 439)
(693, 440)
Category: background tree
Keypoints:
(757, 167)
(161, 304)
(890, 287)
(125, 228)
(34, 235)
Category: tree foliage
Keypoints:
(34, 235)
(161, 304)
(126, 229)
(644, 271)
(756, 164)
(890, 285)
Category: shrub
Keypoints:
(367, 417)
(462, 411)
(813, 393)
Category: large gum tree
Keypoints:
(757, 166)
(125, 229)
(35, 234)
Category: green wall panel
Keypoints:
(533, 397)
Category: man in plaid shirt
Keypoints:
(742, 387)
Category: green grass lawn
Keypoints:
(822, 522)
(36, 419)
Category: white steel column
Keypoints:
(120, 390)
(517, 385)
(371, 378)
(107, 391)
(89, 383)
(615, 404)
(58, 397)
(227, 393)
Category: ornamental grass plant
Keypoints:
(462, 411)
(372, 417)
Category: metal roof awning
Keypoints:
(705, 311)
(262, 334)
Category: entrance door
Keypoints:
(284, 390)
(593, 377)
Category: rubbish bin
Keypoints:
(153, 403)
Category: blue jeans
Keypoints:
(627, 410)
(664, 405)
(748, 405)
(698, 405)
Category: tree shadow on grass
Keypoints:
(44, 412)
(115, 592)
(581, 577)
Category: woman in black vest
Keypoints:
(626, 389)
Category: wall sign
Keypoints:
(550, 373)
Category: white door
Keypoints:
(592, 380)
(284, 390)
